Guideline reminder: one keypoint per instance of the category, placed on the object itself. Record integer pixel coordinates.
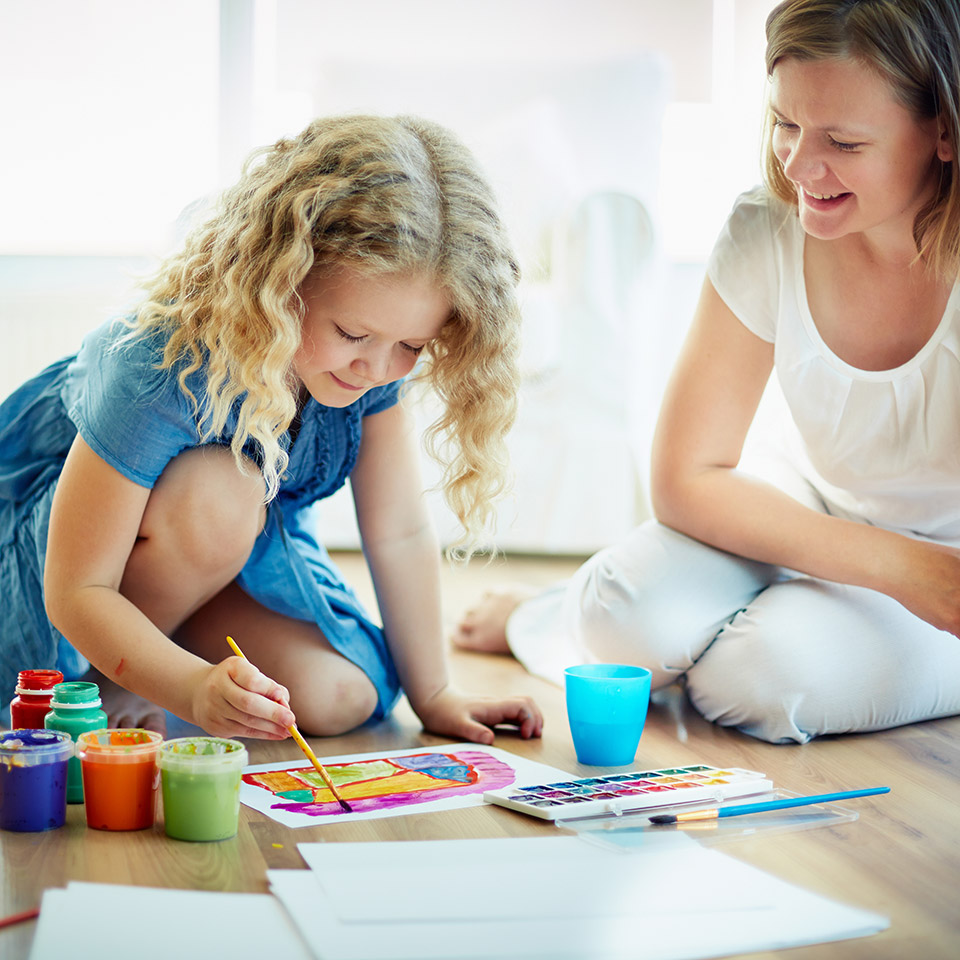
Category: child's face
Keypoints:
(860, 161)
(361, 332)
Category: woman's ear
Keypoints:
(945, 151)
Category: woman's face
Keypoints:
(361, 332)
(859, 160)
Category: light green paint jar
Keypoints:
(75, 709)
(200, 784)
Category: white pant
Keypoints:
(781, 656)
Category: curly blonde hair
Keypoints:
(396, 195)
(915, 46)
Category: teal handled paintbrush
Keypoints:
(739, 809)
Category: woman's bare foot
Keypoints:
(126, 709)
(483, 628)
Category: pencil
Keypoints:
(304, 746)
(738, 809)
(19, 917)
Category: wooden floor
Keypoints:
(901, 858)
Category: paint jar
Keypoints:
(33, 779)
(75, 709)
(32, 701)
(200, 782)
(120, 777)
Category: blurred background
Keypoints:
(616, 132)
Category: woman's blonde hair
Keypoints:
(383, 195)
(915, 46)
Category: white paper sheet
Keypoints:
(764, 913)
(151, 923)
(542, 877)
(482, 768)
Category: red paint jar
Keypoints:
(32, 701)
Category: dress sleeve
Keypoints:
(743, 266)
(381, 398)
(132, 415)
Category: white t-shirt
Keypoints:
(882, 446)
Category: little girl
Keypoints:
(155, 488)
(823, 594)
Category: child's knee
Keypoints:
(338, 702)
(206, 510)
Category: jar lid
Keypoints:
(27, 748)
(37, 681)
(76, 695)
(206, 754)
(118, 744)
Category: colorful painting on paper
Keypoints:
(383, 784)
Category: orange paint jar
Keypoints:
(120, 777)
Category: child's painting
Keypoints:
(384, 784)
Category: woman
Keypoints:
(828, 600)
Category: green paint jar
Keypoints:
(200, 784)
(75, 709)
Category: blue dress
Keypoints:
(137, 419)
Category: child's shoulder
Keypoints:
(117, 343)
(118, 361)
(380, 398)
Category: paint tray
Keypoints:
(629, 831)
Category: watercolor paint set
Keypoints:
(639, 790)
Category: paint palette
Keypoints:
(621, 793)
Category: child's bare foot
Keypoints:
(126, 709)
(484, 627)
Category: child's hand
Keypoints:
(234, 699)
(454, 714)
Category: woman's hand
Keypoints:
(926, 580)
(234, 699)
(453, 714)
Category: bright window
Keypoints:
(110, 120)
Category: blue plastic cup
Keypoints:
(607, 707)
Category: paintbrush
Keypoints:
(738, 809)
(304, 746)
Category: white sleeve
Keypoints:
(743, 266)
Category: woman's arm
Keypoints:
(404, 558)
(94, 522)
(696, 488)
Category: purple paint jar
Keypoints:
(33, 779)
